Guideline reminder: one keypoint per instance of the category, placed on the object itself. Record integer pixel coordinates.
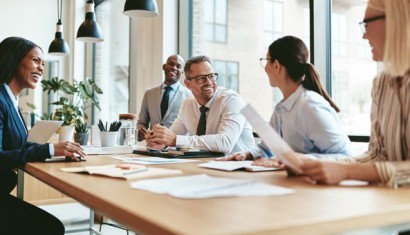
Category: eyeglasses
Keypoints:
(264, 61)
(364, 23)
(202, 78)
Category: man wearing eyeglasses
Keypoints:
(161, 104)
(209, 121)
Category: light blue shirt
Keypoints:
(15, 101)
(172, 91)
(308, 123)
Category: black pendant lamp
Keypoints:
(89, 30)
(59, 46)
(141, 8)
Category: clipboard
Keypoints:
(43, 130)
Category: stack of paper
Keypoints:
(205, 186)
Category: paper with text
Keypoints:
(272, 139)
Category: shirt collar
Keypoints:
(208, 105)
(13, 98)
(291, 100)
(173, 86)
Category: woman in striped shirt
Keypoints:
(386, 26)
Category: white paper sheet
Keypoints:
(98, 150)
(235, 165)
(205, 186)
(156, 160)
(272, 139)
(42, 131)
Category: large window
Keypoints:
(352, 66)
(111, 59)
(339, 36)
(273, 22)
(228, 72)
(215, 20)
(250, 27)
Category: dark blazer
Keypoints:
(14, 148)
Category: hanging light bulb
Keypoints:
(59, 46)
(141, 8)
(89, 30)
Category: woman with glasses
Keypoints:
(306, 117)
(386, 26)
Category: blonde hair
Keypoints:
(397, 46)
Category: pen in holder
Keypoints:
(108, 136)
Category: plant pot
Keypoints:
(65, 133)
(81, 138)
(108, 138)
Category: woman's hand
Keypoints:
(239, 156)
(69, 149)
(268, 162)
(325, 172)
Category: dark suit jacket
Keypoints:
(14, 148)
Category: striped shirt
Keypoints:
(390, 130)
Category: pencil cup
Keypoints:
(108, 138)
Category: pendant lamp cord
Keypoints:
(59, 9)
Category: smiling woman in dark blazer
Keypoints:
(21, 66)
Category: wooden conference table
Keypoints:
(312, 209)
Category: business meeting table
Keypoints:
(311, 209)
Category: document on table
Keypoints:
(98, 150)
(156, 160)
(205, 186)
(235, 165)
(272, 139)
(129, 172)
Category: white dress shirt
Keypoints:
(227, 130)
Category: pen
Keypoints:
(134, 171)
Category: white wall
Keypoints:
(152, 41)
(36, 20)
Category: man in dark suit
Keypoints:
(160, 104)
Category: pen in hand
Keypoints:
(128, 172)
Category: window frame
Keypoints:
(320, 43)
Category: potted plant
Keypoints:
(81, 132)
(73, 100)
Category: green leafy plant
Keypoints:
(74, 98)
(80, 126)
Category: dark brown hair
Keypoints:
(196, 60)
(12, 52)
(292, 53)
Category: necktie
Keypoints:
(165, 100)
(200, 130)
